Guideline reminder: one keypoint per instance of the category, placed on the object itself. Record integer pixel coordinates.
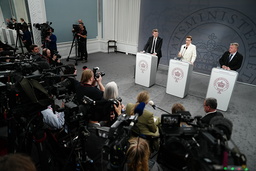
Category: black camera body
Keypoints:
(56, 53)
(76, 28)
(44, 27)
(96, 73)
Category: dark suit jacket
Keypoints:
(234, 64)
(207, 118)
(159, 43)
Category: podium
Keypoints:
(179, 75)
(221, 86)
(146, 66)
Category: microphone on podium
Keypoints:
(151, 103)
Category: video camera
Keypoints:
(76, 28)
(196, 146)
(114, 150)
(97, 74)
(44, 27)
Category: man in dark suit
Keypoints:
(210, 106)
(232, 59)
(154, 45)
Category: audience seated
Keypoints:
(210, 106)
(138, 155)
(146, 125)
(178, 108)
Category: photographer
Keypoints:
(55, 60)
(82, 42)
(51, 41)
(26, 38)
(88, 86)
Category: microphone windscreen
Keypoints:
(151, 103)
(140, 108)
(223, 124)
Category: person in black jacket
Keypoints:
(210, 106)
(232, 59)
(154, 45)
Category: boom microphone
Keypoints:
(151, 103)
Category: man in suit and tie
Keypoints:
(232, 59)
(154, 45)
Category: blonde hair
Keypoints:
(17, 162)
(86, 75)
(111, 91)
(138, 154)
(142, 97)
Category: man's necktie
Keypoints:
(153, 46)
(230, 57)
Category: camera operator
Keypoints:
(82, 42)
(138, 155)
(26, 38)
(210, 106)
(50, 41)
(9, 24)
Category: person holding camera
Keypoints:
(26, 37)
(88, 86)
(51, 41)
(82, 42)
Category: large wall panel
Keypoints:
(213, 25)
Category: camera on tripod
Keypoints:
(44, 27)
(97, 74)
(76, 28)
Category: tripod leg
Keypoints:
(74, 37)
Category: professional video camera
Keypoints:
(115, 148)
(76, 28)
(96, 73)
(196, 146)
(101, 110)
(44, 27)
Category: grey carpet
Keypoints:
(242, 108)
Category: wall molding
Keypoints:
(94, 46)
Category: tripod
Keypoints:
(72, 45)
(20, 40)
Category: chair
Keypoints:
(112, 44)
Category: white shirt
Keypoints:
(54, 120)
(188, 54)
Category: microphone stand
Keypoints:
(162, 109)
